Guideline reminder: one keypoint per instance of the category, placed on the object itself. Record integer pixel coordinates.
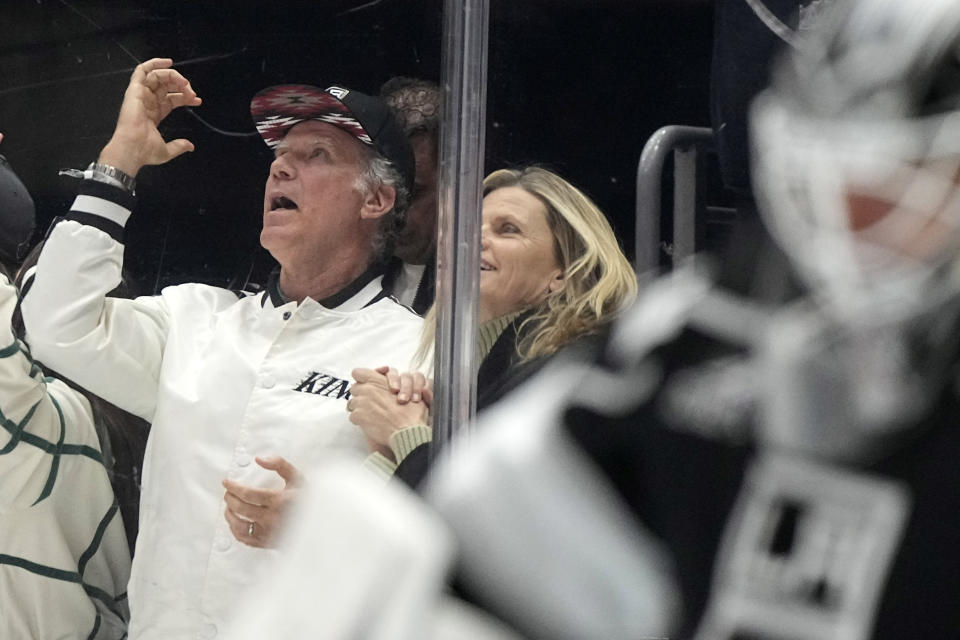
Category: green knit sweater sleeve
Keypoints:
(403, 441)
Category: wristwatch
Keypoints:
(111, 175)
(106, 174)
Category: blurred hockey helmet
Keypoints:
(857, 156)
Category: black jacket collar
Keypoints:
(331, 302)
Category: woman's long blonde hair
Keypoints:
(598, 280)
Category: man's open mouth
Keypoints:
(282, 202)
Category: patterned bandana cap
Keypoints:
(369, 120)
(276, 109)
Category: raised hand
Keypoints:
(154, 91)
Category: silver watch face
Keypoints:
(111, 175)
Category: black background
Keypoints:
(576, 85)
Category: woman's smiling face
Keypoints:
(518, 262)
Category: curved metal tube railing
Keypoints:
(684, 142)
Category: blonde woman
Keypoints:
(551, 272)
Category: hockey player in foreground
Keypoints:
(798, 463)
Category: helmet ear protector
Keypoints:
(16, 215)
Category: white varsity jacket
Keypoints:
(222, 379)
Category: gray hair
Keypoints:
(416, 104)
(380, 171)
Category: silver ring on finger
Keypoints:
(250, 529)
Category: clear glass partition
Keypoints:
(458, 253)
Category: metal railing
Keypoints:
(686, 145)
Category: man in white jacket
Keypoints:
(242, 390)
